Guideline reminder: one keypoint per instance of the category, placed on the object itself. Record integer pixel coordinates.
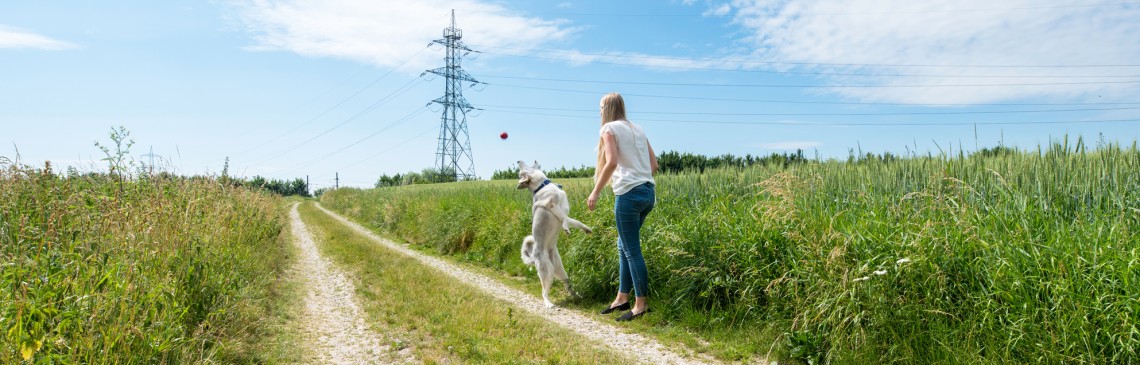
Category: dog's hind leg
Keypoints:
(560, 272)
(546, 276)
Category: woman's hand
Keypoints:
(592, 201)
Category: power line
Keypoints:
(1030, 8)
(776, 101)
(382, 101)
(808, 86)
(775, 72)
(909, 124)
(399, 121)
(299, 126)
(335, 86)
(701, 15)
(792, 63)
(302, 105)
(421, 134)
(490, 108)
(842, 123)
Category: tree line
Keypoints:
(426, 176)
(672, 162)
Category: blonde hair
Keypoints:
(613, 108)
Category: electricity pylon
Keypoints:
(152, 156)
(454, 151)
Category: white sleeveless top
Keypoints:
(633, 167)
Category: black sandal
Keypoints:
(629, 316)
(622, 307)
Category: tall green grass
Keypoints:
(1020, 258)
(98, 270)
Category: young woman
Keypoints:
(626, 161)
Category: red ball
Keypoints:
(503, 135)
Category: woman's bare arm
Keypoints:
(610, 147)
(652, 159)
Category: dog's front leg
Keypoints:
(547, 203)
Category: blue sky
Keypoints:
(291, 88)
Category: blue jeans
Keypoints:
(630, 210)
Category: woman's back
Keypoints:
(632, 158)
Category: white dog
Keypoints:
(551, 211)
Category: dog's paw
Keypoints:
(549, 304)
(588, 230)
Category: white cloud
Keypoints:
(385, 33)
(791, 145)
(564, 5)
(662, 63)
(839, 33)
(15, 38)
(721, 10)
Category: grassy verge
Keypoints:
(280, 344)
(1024, 257)
(153, 269)
(442, 321)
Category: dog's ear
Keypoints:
(522, 166)
(536, 166)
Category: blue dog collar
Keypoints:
(544, 184)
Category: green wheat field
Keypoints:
(1024, 257)
(1017, 258)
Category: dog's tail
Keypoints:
(528, 250)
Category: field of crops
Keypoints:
(1017, 258)
(141, 270)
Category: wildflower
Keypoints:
(880, 272)
(861, 279)
(902, 261)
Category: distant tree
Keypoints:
(676, 162)
(386, 181)
(432, 175)
(995, 151)
(569, 173)
(508, 174)
(512, 173)
(293, 187)
(321, 191)
(426, 176)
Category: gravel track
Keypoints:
(637, 346)
(332, 324)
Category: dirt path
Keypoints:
(331, 323)
(639, 347)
